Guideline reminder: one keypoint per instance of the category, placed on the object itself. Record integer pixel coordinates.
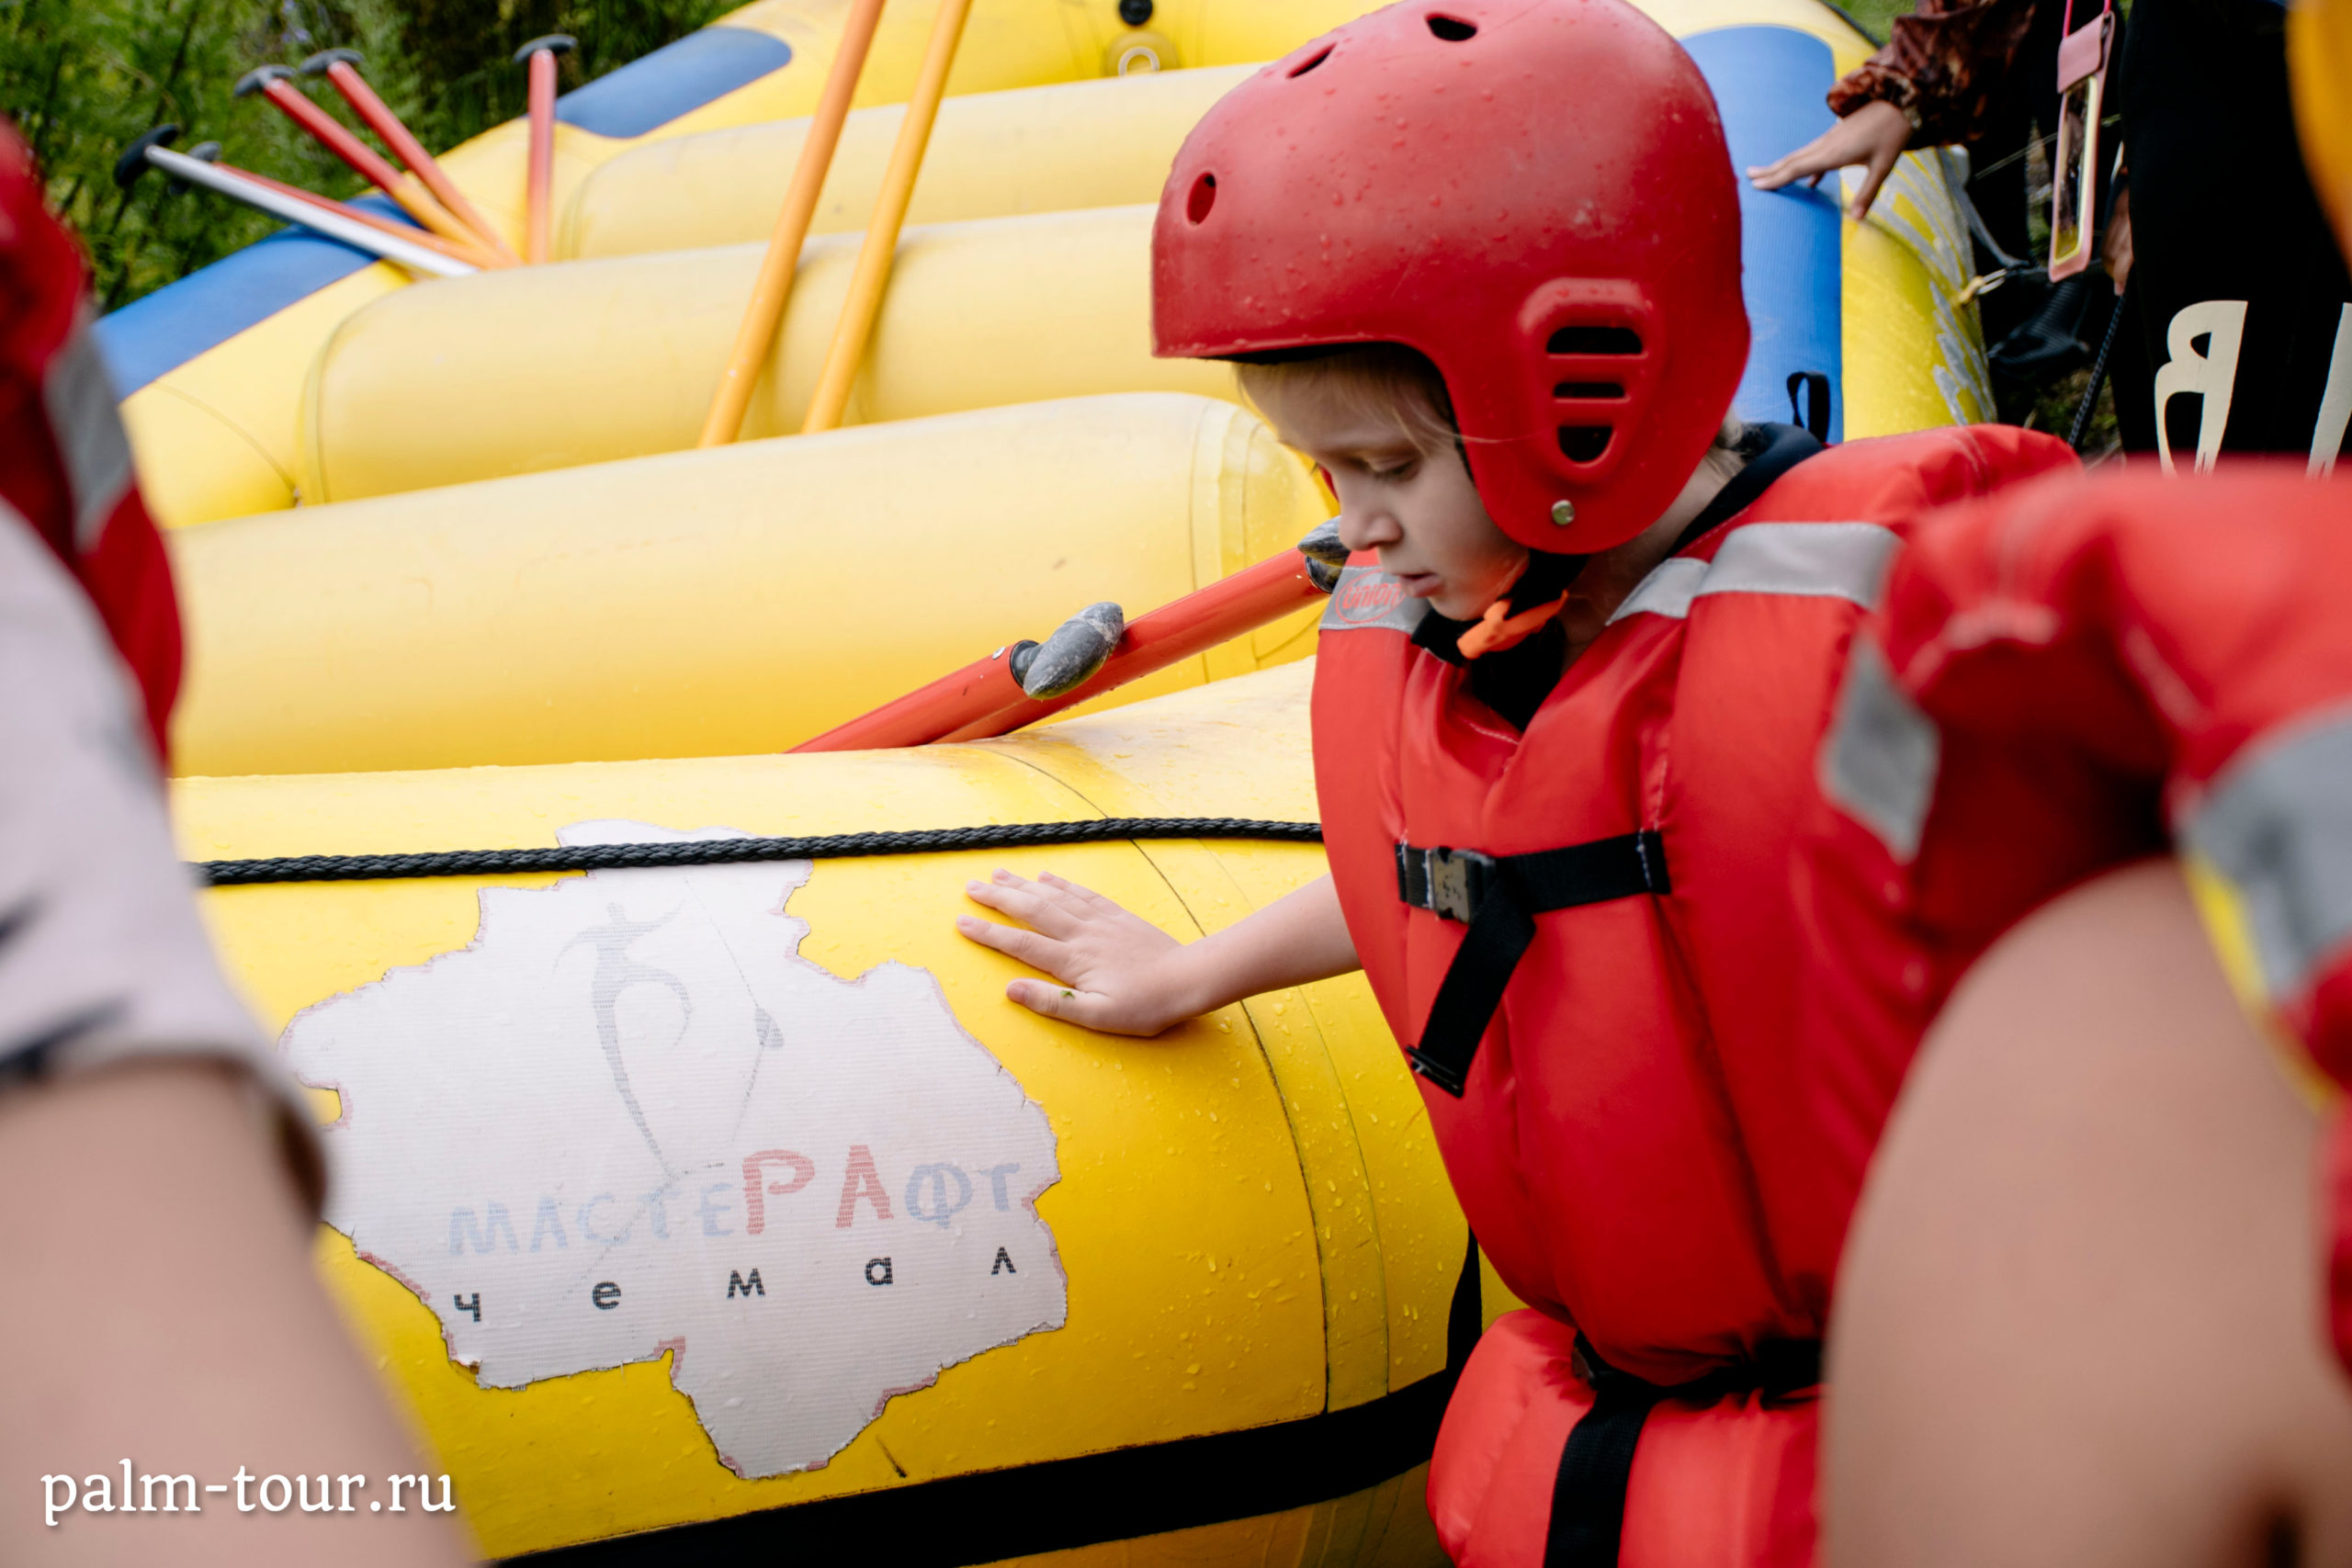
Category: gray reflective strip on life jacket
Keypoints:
(1878, 763)
(1368, 598)
(2278, 826)
(87, 427)
(1836, 561)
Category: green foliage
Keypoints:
(82, 78)
(1875, 17)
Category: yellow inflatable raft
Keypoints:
(1100, 143)
(883, 1262)
(553, 368)
(698, 604)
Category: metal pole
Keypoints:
(308, 213)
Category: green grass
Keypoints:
(1876, 16)
(81, 78)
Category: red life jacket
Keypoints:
(66, 468)
(2069, 677)
(1629, 1139)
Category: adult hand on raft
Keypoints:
(1873, 136)
(1113, 971)
(2115, 251)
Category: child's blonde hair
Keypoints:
(1397, 386)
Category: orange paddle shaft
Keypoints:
(983, 699)
(540, 191)
(773, 288)
(380, 119)
(365, 161)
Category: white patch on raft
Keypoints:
(631, 1079)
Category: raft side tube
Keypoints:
(523, 371)
(1080, 144)
(702, 603)
(1247, 1214)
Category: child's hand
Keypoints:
(1118, 972)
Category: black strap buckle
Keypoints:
(1448, 882)
(1499, 896)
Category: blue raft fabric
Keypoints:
(1769, 84)
(151, 337)
(674, 80)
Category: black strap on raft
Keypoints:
(1588, 1498)
(1809, 401)
(731, 851)
(1499, 897)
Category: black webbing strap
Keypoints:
(1588, 1498)
(1500, 897)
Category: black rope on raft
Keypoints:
(731, 851)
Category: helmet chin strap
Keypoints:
(1526, 607)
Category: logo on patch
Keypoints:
(628, 1122)
(1362, 600)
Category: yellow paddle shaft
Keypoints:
(872, 275)
(772, 289)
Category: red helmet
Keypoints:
(1536, 196)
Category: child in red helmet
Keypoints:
(1481, 262)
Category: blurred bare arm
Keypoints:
(161, 1307)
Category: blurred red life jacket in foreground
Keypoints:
(2070, 676)
(1620, 1109)
(66, 468)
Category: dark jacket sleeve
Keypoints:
(1943, 65)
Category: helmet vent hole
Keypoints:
(1310, 63)
(1594, 340)
(1585, 443)
(1567, 389)
(1454, 29)
(1204, 196)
